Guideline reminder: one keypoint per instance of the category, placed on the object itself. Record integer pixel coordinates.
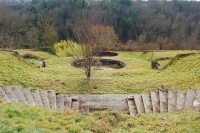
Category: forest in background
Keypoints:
(138, 25)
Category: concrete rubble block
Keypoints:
(44, 98)
(180, 102)
(163, 101)
(196, 103)
(19, 94)
(119, 105)
(28, 96)
(147, 103)
(75, 103)
(139, 103)
(60, 102)
(9, 92)
(132, 106)
(92, 98)
(67, 101)
(155, 101)
(37, 98)
(3, 95)
(104, 97)
(52, 99)
(84, 103)
(189, 99)
(172, 97)
(104, 101)
(116, 97)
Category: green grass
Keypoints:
(136, 77)
(25, 119)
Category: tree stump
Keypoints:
(154, 64)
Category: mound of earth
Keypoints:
(106, 53)
(101, 64)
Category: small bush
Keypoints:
(67, 48)
(31, 56)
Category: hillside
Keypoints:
(163, 25)
(23, 118)
(136, 77)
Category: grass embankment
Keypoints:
(136, 77)
(23, 118)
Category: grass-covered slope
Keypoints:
(136, 77)
(25, 119)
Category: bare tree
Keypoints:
(104, 37)
(84, 37)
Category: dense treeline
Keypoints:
(138, 24)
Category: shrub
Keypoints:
(67, 48)
(47, 49)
